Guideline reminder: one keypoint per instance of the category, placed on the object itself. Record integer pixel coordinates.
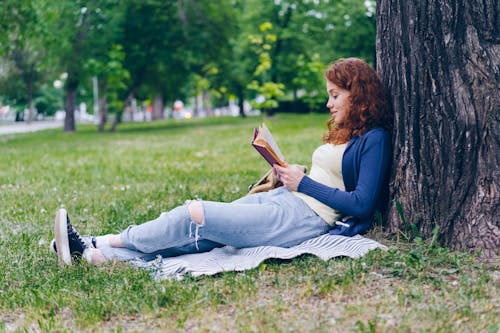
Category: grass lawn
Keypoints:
(107, 181)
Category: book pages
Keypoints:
(266, 135)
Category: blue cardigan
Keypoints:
(365, 170)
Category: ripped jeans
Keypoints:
(275, 218)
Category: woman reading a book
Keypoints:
(346, 186)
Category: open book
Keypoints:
(265, 144)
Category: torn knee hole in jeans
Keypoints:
(196, 233)
(195, 209)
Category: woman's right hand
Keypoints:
(290, 175)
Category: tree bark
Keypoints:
(207, 103)
(29, 78)
(70, 105)
(241, 101)
(103, 113)
(116, 120)
(440, 63)
(157, 107)
(31, 109)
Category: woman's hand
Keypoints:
(290, 176)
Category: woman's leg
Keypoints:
(68, 243)
(174, 229)
(274, 218)
(105, 253)
(173, 233)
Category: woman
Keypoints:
(346, 186)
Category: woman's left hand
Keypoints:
(290, 176)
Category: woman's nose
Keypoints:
(329, 103)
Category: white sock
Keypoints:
(93, 256)
(102, 241)
(87, 254)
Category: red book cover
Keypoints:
(265, 144)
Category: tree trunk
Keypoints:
(440, 63)
(207, 103)
(116, 120)
(103, 113)
(157, 107)
(31, 109)
(29, 93)
(70, 105)
(130, 107)
(241, 102)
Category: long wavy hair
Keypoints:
(369, 106)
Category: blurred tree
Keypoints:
(152, 43)
(309, 82)
(308, 34)
(76, 32)
(113, 81)
(21, 53)
(238, 63)
(268, 90)
(48, 100)
(169, 43)
(171, 47)
(208, 28)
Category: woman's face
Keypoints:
(339, 102)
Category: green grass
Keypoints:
(108, 181)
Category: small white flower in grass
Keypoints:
(380, 276)
(201, 153)
(42, 210)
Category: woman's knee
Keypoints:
(196, 211)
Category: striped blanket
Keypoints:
(228, 258)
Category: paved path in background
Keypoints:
(23, 127)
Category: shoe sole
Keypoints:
(62, 241)
(53, 247)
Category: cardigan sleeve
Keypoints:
(361, 202)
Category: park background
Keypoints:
(142, 56)
(122, 58)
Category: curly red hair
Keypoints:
(369, 106)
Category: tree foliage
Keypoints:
(183, 48)
(21, 51)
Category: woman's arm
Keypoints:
(375, 158)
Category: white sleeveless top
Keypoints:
(326, 169)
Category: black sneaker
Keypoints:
(68, 242)
(87, 239)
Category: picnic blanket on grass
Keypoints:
(229, 258)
